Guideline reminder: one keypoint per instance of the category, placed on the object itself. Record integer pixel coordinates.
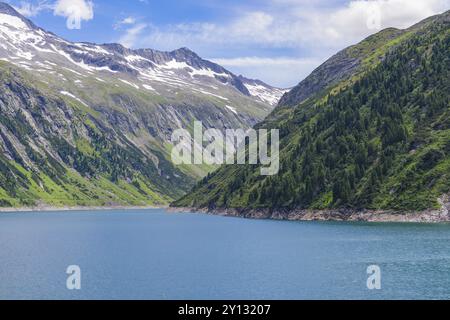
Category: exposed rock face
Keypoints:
(429, 216)
(179, 80)
(52, 153)
(444, 201)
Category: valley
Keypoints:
(83, 124)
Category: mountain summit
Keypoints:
(6, 9)
(89, 124)
(26, 42)
(350, 61)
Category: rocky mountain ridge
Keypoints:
(88, 124)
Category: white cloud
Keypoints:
(305, 28)
(28, 9)
(360, 18)
(75, 11)
(125, 22)
(128, 20)
(294, 24)
(131, 35)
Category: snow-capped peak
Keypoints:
(263, 91)
(13, 21)
(34, 49)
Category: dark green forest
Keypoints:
(380, 141)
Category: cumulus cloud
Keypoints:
(360, 18)
(305, 28)
(75, 11)
(293, 24)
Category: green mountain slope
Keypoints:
(350, 64)
(377, 139)
(60, 152)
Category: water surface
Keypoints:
(150, 254)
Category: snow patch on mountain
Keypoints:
(231, 109)
(146, 86)
(266, 94)
(207, 73)
(12, 21)
(212, 94)
(130, 84)
(68, 94)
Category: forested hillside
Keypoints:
(380, 140)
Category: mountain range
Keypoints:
(367, 130)
(88, 124)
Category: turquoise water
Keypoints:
(150, 254)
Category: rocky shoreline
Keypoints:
(428, 216)
(74, 208)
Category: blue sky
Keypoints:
(277, 41)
